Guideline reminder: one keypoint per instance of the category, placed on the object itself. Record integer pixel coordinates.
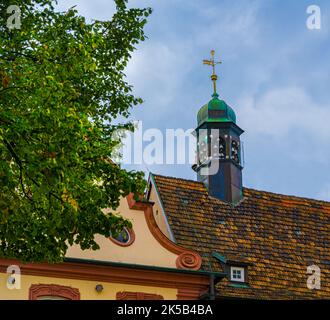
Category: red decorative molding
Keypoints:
(40, 290)
(187, 259)
(127, 244)
(188, 294)
(126, 295)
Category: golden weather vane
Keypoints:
(212, 63)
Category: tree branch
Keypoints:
(22, 184)
(8, 88)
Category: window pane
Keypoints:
(51, 298)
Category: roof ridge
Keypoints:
(291, 198)
(176, 178)
(284, 197)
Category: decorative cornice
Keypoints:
(109, 273)
(187, 259)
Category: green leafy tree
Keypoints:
(62, 86)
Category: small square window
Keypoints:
(237, 274)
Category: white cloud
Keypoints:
(278, 111)
(158, 71)
(232, 26)
(161, 65)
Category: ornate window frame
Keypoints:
(129, 242)
(40, 290)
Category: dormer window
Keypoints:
(237, 271)
(237, 274)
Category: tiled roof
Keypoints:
(279, 235)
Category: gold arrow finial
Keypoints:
(212, 63)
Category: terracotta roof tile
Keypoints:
(280, 235)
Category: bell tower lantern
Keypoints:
(219, 163)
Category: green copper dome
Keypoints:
(216, 110)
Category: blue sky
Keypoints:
(275, 75)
